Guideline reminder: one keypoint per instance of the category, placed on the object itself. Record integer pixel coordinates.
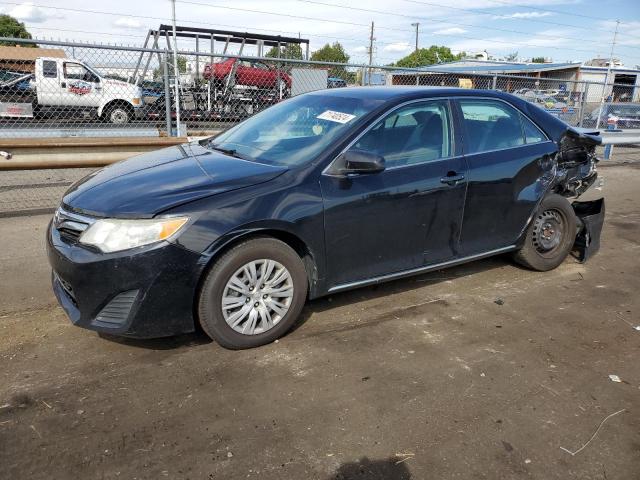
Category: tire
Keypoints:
(243, 323)
(550, 236)
(118, 115)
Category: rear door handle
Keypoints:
(452, 178)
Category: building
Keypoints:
(583, 82)
(23, 59)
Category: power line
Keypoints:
(534, 20)
(318, 19)
(512, 43)
(550, 10)
(431, 19)
(147, 17)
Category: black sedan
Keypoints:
(321, 193)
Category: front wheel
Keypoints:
(118, 115)
(550, 236)
(253, 294)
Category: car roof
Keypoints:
(553, 126)
(408, 92)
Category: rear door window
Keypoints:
(491, 125)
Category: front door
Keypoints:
(406, 216)
(80, 87)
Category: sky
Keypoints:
(563, 30)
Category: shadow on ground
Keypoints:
(365, 469)
(327, 303)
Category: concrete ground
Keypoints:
(484, 371)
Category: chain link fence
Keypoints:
(62, 89)
(94, 89)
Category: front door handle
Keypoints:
(452, 178)
(63, 85)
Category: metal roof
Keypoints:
(29, 54)
(480, 66)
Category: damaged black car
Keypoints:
(321, 193)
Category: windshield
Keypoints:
(295, 131)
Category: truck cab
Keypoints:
(72, 85)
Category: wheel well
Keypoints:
(290, 239)
(117, 103)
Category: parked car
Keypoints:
(248, 73)
(627, 115)
(336, 82)
(324, 192)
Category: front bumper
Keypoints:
(144, 292)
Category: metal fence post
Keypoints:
(167, 92)
(583, 100)
(608, 149)
(494, 83)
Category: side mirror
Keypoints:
(361, 161)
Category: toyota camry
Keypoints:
(324, 192)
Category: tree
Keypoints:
(290, 50)
(428, 56)
(537, 60)
(511, 57)
(10, 27)
(182, 66)
(335, 54)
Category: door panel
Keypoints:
(392, 221)
(503, 190)
(406, 216)
(80, 87)
(506, 181)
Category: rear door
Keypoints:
(509, 160)
(409, 214)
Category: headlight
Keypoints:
(112, 235)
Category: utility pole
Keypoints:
(176, 72)
(417, 25)
(606, 79)
(371, 39)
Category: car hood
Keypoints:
(145, 185)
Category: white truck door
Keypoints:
(48, 81)
(80, 86)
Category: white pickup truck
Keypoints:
(63, 87)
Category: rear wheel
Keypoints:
(253, 294)
(550, 236)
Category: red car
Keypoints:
(249, 73)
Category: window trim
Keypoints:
(461, 97)
(452, 131)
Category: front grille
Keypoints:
(70, 225)
(116, 312)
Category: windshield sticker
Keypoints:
(337, 117)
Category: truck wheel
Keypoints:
(253, 294)
(550, 236)
(118, 115)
